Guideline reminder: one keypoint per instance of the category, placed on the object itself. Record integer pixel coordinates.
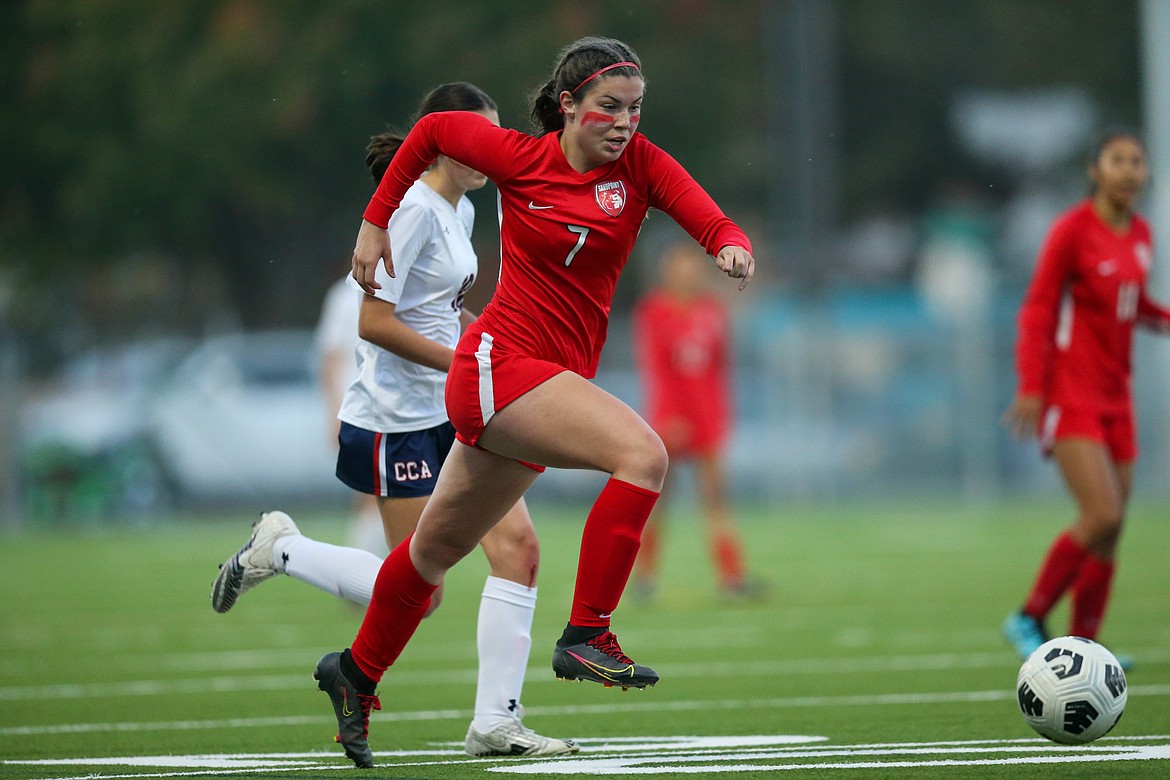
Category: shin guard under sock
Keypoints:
(609, 546)
(399, 602)
(1056, 573)
(1090, 596)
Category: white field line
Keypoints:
(130, 688)
(663, 755)
(536, 675)
(292, 658)
(876, 700)
(728, 763)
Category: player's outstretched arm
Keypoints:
(1152, 315)
(373, 244)
(738, 263)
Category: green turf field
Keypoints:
(877, 651)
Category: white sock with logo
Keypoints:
(345, 572)
(504, 638)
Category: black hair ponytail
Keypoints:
(454, 96)
(576, 63)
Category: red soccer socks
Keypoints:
(1091, 596)
(1061, 565)
(609, 546)
(399, 602)
(728, 555)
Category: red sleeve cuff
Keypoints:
(377, 213)
(740, 239)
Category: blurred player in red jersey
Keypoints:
(682, 337)
(573, 198)
(1073, 361)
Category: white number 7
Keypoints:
(582, 234)
(1128, 294)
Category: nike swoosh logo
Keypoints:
(345, 710)
(534, 207)
(605, 672)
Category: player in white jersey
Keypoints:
(336, 340)
(396, 392)
(395, 435)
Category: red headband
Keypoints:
(633, 65)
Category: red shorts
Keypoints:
(1116, 432)
(483, 379)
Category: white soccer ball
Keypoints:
(1071, 690)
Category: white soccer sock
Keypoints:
(345, 572)
(504, 637)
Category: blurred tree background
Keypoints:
(195, 169)
(197, 164)
(903, 61)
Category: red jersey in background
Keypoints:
(1076, 321)
(683, 351)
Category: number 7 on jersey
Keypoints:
(582, 234)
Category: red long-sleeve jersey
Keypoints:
(1076, 321)
(564, 236)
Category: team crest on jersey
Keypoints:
(611, 196)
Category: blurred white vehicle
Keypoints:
(242, 417)
(84, 444)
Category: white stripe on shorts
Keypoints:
(1064, 324)
(487, 396)
(383, 466)
(1048, 429)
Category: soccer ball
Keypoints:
(1071, 690)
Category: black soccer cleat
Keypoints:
(601, 660)
(351, 708)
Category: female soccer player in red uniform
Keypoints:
(573, 199)
(1073, 360)
(394, 436)
(682, 335)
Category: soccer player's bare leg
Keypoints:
(504, 640)
(722, 533)
(1081, 556)
(399, 519)
(475, 490)
(567, 422)
(504, 627)
(646, 567)
(511, 546)
(1101, 488)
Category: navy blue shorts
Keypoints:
(397, 465)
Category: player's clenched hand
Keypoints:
(1022, 416)
(373, 244)
(736, 262)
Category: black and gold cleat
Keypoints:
(600, 659)
(351, 708)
